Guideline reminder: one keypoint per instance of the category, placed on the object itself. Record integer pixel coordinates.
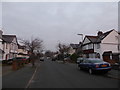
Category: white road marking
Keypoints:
(30, 81)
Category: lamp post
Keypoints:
(81, 35)
(80, 51)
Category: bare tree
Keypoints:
(33, 45)
(49, 53)
(63, 49)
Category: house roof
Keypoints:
(97, 39)
(74, 46)
(92, 38)
(8, 38)
(21, 47)
(103, 36)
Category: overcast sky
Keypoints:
(57, 22)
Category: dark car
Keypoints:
(20, 58)
(95, 65)
(53, 59)
(10, 61)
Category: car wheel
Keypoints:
(90, 71)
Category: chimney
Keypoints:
(99, 33)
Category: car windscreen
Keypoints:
(96, 61)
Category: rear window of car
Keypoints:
(96, 61)
(18, 58)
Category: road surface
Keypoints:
(50, 74)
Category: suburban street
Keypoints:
(46, 44)
(54, 74)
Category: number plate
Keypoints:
(104, 65)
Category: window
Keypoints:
(84, 47)
(90, 46)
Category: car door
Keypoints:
(86, 64)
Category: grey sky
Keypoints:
(58, 22)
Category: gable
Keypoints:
(86, 40)
(14, 40)
(111, 38)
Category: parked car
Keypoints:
(19, 58)
(79, 60)
(41, 58)
(9, 61)
(24, 60)
(54, 59)
(94, 65)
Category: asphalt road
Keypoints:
(52, 74)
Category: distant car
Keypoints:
(41, 58)
(19, 58)
(48, 57)
(54, 59)
(66, 58)
(94, 64)
(79, 60)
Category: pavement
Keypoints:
(17, 78)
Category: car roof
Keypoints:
(93, 59)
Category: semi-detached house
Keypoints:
(105, 46)
(10, 46)
(1, 46)
(22, 51)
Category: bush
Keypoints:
(74, 57)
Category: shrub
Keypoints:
(74, 57)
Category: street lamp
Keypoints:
(81, 35)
